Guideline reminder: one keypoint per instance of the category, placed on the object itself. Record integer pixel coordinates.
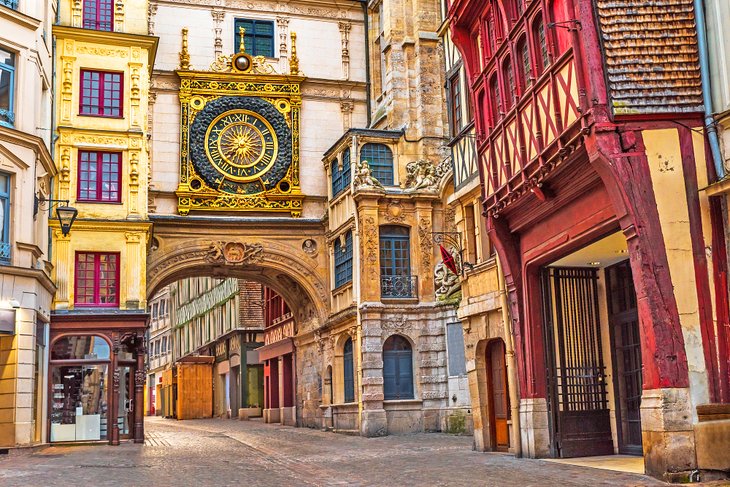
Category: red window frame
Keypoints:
(93, 99)
(106, 172)
(98, 15)
(90, 285)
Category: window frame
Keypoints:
(343, 263)
(382, 168)
(348, 371)
(386, 235)
(97, 8)
(6, 199)
(456, 119)
(250, 38)
(99, 178)
(11, 69)
(341, 177)
(101, 98)
(398, 393)
(96, 287)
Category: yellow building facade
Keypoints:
(103, 60)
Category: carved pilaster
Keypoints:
(64, 179)
(151, 13)
(345, 37)
(184, 54)
(119, 16)
(135, 91)
(151, 207)
(76, 14)
(67, 83)
(134, 293)
(63, 268)
(282, 25)
(218, 17)
(346, 107)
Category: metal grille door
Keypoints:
(580, 420)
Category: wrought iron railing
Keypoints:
(5, 253)
(9, 3)
(398, 287)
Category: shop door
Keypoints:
(626, 353)
(125, 408)
(579, 417)
(499, 399)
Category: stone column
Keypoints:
(373, 420)
(139, 382)
(113, 409)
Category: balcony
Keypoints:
(10, 4)
(398, 287)
(4, 253)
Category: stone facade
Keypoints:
(26, 172)
(159, 349)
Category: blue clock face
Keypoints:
(240, 145)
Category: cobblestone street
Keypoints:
(223, 452)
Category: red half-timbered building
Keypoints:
(592, 161)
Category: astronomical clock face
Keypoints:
(241, 145)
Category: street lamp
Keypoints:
(66, 214)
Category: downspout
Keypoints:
(514, 400)
(710, 126)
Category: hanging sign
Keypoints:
(448, 259)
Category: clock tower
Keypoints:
(239, 125)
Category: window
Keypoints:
(164, 344)
(99, 176)
(5, 246)
(80, 347)
(349, 372)
(395, 263)
(523, 51)
(7, 88)
(343, 260)
(455, 349)
(258, 38)
(471, 236)
(455, 103)
(341, 177)
(541, 44)
(10, 3)
(101, 93)
(397, 368)
(496, 100)
(380, 159)
(509, 84)
(97, 279)
(99, 14)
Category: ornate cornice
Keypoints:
(110, 38)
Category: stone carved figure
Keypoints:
(446, 283)
(421, 175)
(364, 178)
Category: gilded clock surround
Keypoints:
(239, 137)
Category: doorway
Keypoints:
(125, 416)
(499, 410)
(626, 356)
(579, 415)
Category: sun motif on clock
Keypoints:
(240, 145)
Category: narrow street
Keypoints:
(222, 452)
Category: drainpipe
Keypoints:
(514, 400)
(707, 89)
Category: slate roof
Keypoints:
(651, 56)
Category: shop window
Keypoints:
(80, 347)
(99, 14)
(79, 402)
(100, 176)
(397, 368)
(454, 103)
(97, 279)
(341, 177)
(380, 159)
(349, 372)
(5, 246)
(258, 36)
(395, 263)
(101, 94)
(343, 260)
(7, 88)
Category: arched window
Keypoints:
(509, 84)
(495, 99)
(397, 368)
(395, 263)
(380, 158)
(349, 372)
(80, 347)
(523, 61)
(541, 48)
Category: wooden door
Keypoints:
(580, 422)
(626, 353)
(498, 395)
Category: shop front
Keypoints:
(278, 356)
(96, 379)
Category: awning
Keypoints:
(282, 347)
